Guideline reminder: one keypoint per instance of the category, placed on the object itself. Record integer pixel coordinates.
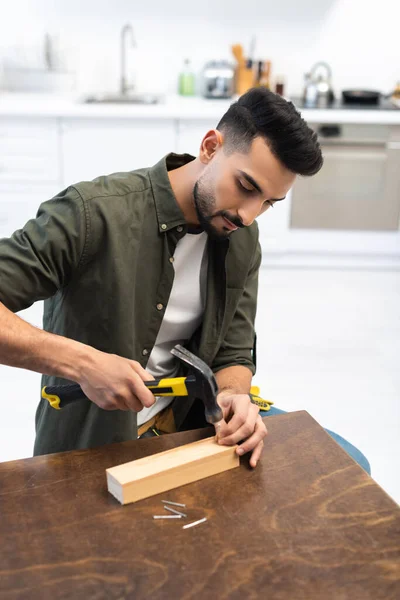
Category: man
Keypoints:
(133, 263)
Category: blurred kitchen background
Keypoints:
(88, 88)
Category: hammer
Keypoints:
(199, 383)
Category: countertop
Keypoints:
(308, 522)
(174, 107)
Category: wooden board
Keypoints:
(167, 470)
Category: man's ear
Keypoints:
(212, 141)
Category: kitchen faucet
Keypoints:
(127, 29)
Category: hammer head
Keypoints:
(200, 383)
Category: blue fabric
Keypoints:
(347, 447)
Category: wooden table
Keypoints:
(307, 523)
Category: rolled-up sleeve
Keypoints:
(237, 345)
(39, 259)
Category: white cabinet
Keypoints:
(95, 147)
(29, 152)
(355, 189)
(30, 170)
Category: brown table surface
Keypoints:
(306, 523)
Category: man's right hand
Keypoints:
(116, 383)
(110, 381)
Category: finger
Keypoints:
(107, 405)
(107, 401)
(112, 404)
(241, 426)
(119, 402)
(250, 444)
(122, 405)
(256, 454)
(225, 404)
(241, 413)
(144, 395)
(143, 374)
(141, 393)
(219, 427)
(126, 399)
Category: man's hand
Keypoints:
(113, 382)
(242, 422)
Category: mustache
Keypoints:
(234, 219)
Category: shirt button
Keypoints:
(179, 228)
(171, 259)
(163, 226)
(145, 352)
(160, 306)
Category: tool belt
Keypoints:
(162, 422)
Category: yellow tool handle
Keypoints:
(260, 402)
(59, 396)
(172, 386)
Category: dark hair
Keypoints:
(261, 113)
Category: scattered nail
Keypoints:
(173, 503)
(176, 512)
(194, 523)
(167, 517)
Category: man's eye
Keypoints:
(270, 203)
(245, 189)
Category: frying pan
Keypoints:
(360, 97)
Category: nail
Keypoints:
(174, 503)
(177, 512)
(240, 451)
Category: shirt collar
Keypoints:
(169, 214)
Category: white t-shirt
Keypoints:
(183, 314)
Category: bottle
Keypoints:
(265, 74)
(310, 92)
(279, 85)
(186, 80)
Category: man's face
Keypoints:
(235, 189)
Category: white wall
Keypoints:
(359, 38)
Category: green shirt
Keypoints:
(99, 255)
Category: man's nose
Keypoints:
(249, 212)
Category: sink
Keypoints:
(124, 99)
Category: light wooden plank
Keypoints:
(167, 470)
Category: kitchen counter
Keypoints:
(174, 107)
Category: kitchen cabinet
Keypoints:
(30, 168)
(358, 187)
(29, 152)
(94, 147)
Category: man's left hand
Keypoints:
(242, 422)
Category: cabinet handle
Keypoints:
(330, 131)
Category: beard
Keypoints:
(204, 203)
